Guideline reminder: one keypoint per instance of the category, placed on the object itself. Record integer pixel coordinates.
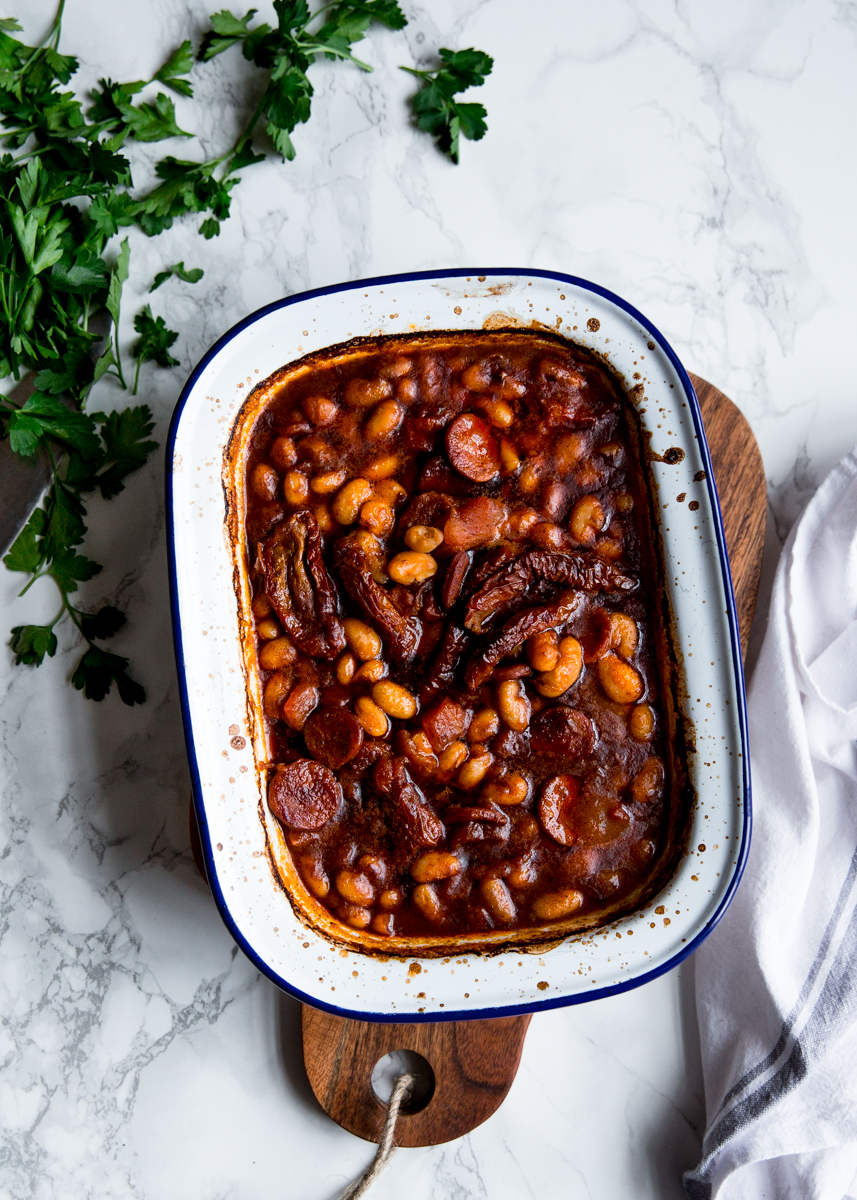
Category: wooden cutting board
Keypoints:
(475, 1062)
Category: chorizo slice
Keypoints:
(563, 730)
(476, 522)
(472, 448)
(556, 808)
(333, 736)
(304, 794)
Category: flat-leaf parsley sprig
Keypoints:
(435, 108)
(286, 53)
(66, 187)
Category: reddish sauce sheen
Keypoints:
(447, 535)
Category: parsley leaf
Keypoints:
(68, 569)
(24, 554)
(179, 63)
(154, 344)
(435, 109)
(178, 269)
(30, 644)
(125, 447)
(226, 30)
(44, 417)
(103, 624)
(98, 670)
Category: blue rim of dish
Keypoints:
(506, 1010)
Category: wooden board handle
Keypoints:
(474, 1065)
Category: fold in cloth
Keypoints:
(776, 982)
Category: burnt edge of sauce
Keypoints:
(254, 429)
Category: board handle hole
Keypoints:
(399, 1062)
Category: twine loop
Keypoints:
(386, 1143)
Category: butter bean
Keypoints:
(509, 458)
(423, 538)
(471, 774)
(411, 567)
(345, 667)
(391, 898)
(355, 887)
(407, 390)
(485, 724)
(587, 520)
(608, 547)
(450, 759)
(323, 518)
(427, 901)
(377, 516)
(268, 629)
(498, 900)
(624, 634)
(314, 876)
(499, 413)
(507, 790)
(530, 477)
(362, 639)
(418, 751)
(276, 690)
(373, 719)
(371, 671)
(364, 393)
(296, 488)
(622, 683)
(327, 482)
(383, 924)
(649, 781)
(261, 605)
(642, 723)
(566, 672)
(543, 650)
(513, 705)
(395, 700)
(320, 410)
(435, 864)
(391, 491)
(277, 653)
(571, 450)
(552, 905)
(350, 500)
(523, 873)
(384, 420)
(265, 481)
(382, 468)
(355, 915)
(283, 454)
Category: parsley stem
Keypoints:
(36, 575)
(136, 376)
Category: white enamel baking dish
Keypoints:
(228, 786)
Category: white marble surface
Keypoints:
(698, 159)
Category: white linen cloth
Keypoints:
(776, 982)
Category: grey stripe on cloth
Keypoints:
(806, 990)
(835, 1008)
